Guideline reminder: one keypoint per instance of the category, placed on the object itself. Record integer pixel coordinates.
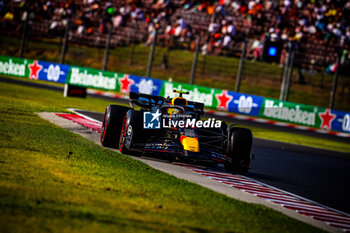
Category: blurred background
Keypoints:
(288, 50)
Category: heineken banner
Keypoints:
(289, 112)
(93, 78)
(307, 115)
(14, 66)
(225, 100)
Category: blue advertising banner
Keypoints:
(244, 104)
(146, 85)
(53, 72)
(340, 121)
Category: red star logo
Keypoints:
(125, 84)
(224, 99)
(34, 70)
(327, 117)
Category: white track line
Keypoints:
(288, 200)
(83, 115)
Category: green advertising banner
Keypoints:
(198, 94)
(291, 112)
(15, 66)
(93, 78)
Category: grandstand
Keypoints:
(319, 29)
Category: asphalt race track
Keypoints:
(319, 175)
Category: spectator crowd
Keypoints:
(225, 21)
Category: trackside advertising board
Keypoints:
(86, 77)
(14, 66)
(239, 103)
(307, 115)
(53, 72)
(293, 113)
(33, 69)
(289, 112)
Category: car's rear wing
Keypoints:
(145, 100)
(148, 101)
(136, 96)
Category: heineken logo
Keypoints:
(196, 95)
(92, 80)
(11, 68)
(295, 115)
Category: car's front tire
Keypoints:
(112, 125)
(239, 146)
(131, 130)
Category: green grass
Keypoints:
(42, 189)
(219, 72)
(300, 139)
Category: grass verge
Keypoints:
(42, 189)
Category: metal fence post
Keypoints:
(335, 81)
(151, 54)
(241, 64)
(195, 60)
(285, 72)
(290, 74)
(24, 36)
(108, 42)
(65, 41)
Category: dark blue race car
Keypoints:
(173, 127)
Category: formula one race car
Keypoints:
(168, 126)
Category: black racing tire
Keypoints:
(131, 131)
(239, 147)
(112, 124)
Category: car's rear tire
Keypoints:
(130, 131)
(239, 146)
(112, 124)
